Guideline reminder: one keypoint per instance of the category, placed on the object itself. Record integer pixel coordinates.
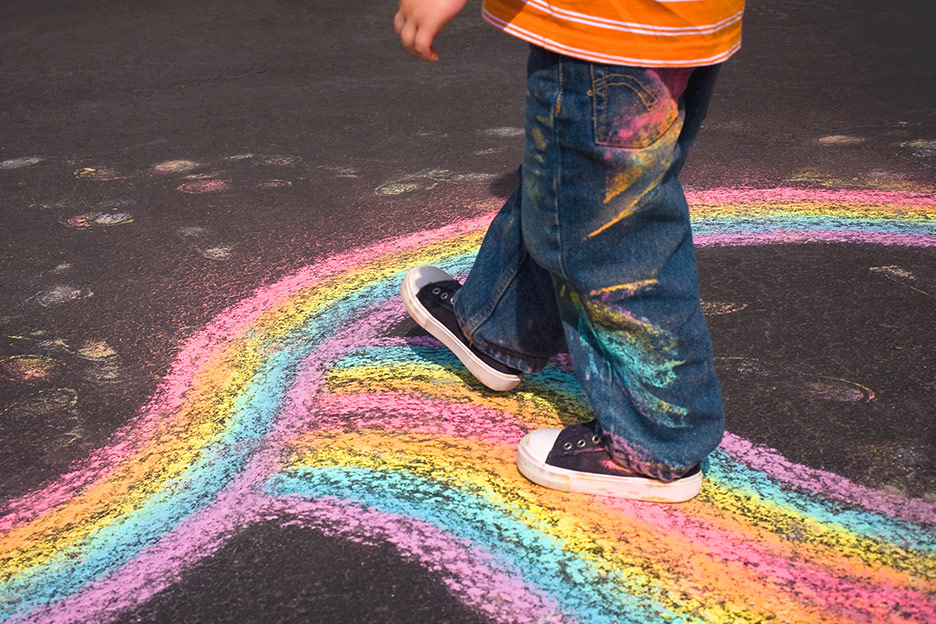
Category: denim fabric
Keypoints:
(593, 254)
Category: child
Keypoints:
(593, 251)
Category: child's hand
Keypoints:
(419, 21)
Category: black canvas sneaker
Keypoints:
(574, 459)
(427, 294)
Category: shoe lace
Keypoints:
(595, 439)
(444, 291)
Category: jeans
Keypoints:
(593, 254)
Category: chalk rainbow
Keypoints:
(309, 403)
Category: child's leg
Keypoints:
(504, 321)
(616, 236)
(602, 211)
(507, 307)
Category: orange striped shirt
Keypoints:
(644, 33)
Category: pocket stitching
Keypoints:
(646, 96)
(600, 127)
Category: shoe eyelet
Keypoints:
(581, 443)
(444, 296)
(436, 290)
(567, 446)
(596, 439)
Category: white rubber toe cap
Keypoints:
(537, 444)
(423, 275)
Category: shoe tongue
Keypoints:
(580, 430)
(448, 286)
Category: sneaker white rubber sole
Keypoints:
(531, 460)
(412, 283)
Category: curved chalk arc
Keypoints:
(311, 403)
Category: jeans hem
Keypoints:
(521, 361)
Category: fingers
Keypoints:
(422, 45)
(418, 22)
(418, 41)
(416, 35)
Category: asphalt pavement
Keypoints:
(213, 410)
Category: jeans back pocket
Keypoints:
(632, 107)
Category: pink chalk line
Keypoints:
(790, 194)
(827, 484)
(223, 330)
(810, 582)
(394, 412)
(774, 237)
